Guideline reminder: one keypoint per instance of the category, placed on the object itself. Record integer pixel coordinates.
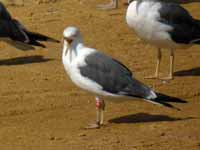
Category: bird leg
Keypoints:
(112, 5)
(100, 107)
(171, 64)
(102, 111)
(159, 56)
(171, 69)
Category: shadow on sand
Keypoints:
(23, 60)
(143, 117)
(190, 72)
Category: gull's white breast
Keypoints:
(72, 69)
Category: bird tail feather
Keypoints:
(197, 39)
(197, 21)
(164, 100)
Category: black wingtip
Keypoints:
(40, 37)
(52, 40)
(162, 103)
(36, 43)
(170, 106)
(166, 98)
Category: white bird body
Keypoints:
(102, 75)
(144, 19)
(73, 58)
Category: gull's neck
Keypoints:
(71, 51)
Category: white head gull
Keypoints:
(14, 33)
(163, 24)
(102, 75)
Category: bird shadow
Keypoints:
(143, 117)
(189, 72)
(23, 60)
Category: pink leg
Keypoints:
(100, 106)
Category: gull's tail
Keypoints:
(164, 100)
(138, 89)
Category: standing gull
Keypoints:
(14, 33)
(100, 74)
(114, 3)
(163, 24)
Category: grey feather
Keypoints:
(113, 76)
(185, 28)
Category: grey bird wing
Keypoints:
(113, 76)
(185, 30)
(117, 79)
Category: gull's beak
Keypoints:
(69, 41)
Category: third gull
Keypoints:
(163, 24)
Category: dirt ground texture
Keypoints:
(41, 109)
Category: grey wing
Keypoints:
(185, 28)
(113, 76)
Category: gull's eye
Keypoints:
(74, 35)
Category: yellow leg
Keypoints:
(171, 64)
(171, 67)
(156, 75)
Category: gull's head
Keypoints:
(72, 35)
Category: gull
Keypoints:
(103, 75)
(114, 3)
(14, 33)
(164, 24)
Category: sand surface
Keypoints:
(42, 110)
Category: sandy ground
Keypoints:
(42, 110)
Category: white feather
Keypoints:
(73, 57)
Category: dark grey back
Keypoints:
(113, 76)
(185, 28)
